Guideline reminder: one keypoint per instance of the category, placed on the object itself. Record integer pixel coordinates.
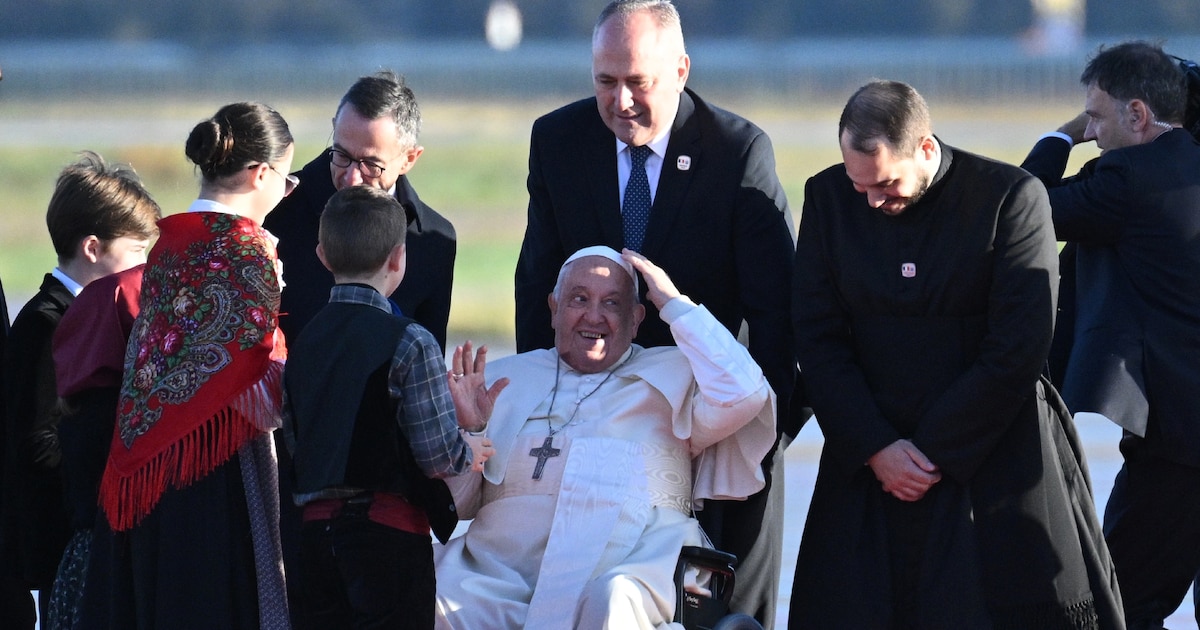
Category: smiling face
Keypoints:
(638, 70)
(891, 182)
(595, 314)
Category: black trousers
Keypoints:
(16, 605)
(362, 575)
(1152, 527)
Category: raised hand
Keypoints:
(1076, 128)
(659, 287)
(473, 400)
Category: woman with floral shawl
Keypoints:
(191, 474)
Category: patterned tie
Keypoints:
(635, 209)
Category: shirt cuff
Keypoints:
(676, 308)
(1060, 135)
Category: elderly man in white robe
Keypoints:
(603, 449)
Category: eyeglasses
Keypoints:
(369, 169)
(290, 181)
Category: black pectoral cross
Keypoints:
(543, 453)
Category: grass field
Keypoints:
(473, 171)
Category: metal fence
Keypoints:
(971, 69)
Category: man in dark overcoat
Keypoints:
(952, 492)
(1134, 216)
(375, 143)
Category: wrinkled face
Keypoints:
(891, 182)
(121, 253)
(638, 71)
(596, 314)
(1108, 123)
(371, 141)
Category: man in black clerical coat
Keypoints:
(951, 491)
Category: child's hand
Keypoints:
(473, 401)
(481, 450)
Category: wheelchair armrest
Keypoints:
(711, 559)
(694, 609)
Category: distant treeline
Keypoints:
(218, 22)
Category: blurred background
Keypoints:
(129, 78)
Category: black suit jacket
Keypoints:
(1136, 217)
(719, 227)
(424, 295)
(36, 525)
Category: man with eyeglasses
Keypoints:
(375, 144)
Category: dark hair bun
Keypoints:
(237, 136)
(210, 146)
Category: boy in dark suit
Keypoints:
(370, 418)
(101, 221)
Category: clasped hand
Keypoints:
(904, 470)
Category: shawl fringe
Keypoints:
(127, 498)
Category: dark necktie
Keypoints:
(635, 209)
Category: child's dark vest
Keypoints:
(345, 422)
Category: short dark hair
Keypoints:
(1140, 70)
(885, 111)
(386, 94)
(94, 197)
(360, 227)
(238, 136)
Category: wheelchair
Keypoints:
(697, 610)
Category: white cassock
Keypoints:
(594, 541)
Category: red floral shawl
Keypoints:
(204, 361)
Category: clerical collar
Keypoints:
(944, 165)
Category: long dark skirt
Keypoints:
(189, 564)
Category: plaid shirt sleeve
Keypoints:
(426, 411)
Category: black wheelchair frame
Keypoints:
(695, 611)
